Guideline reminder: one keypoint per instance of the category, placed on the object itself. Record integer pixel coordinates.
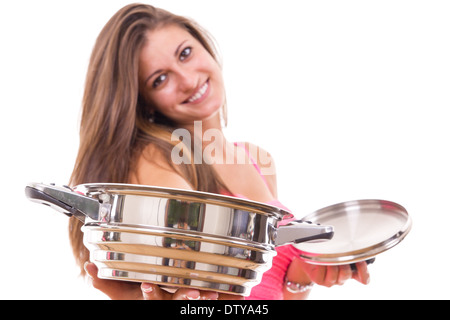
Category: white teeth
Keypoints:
(199, 93)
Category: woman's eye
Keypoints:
(159, 80)
(185, 53)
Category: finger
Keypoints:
(224, 296)
(91, 270)
(152, 291)
(193, 294)
(331, 276)
(345, 273)
(296, 271)
(317, 273)
(362, 273)
(187, 294)
(209, 295)
(116, 290)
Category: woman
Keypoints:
(152, 73)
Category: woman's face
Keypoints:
(179, 77)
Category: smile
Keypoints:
(197, 97)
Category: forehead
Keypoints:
(165, 38)
(160, 47)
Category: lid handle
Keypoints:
(300, 231)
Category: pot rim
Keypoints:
(97, 189)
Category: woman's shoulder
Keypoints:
(152, 167)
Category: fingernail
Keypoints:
(191, 297)
(147, 288)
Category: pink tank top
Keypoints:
(271, 286)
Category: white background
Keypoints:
(350, 98)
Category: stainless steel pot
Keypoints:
(177, 237)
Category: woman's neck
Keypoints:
(209, 134)
(207, 130)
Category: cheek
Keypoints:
(217, 72)
(162, 100)
(215, 68)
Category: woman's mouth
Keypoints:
(200, 94)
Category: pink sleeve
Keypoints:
(271, 286)
(287, 218)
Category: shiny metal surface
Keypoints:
(362, 230)
(103, 190)
(63, 199)
(181, 243)
(175, 259)
(173, 217)
(180, 238)
(310, 232)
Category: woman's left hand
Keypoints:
(305, 273)
(329, 276)
(123, 290)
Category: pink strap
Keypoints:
(254, 162)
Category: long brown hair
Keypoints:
(114, 126)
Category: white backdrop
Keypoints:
(350, 98)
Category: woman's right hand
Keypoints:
(123, 290)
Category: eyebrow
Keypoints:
(159, 70)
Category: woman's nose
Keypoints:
(186, 80)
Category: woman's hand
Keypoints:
(154, 292)
(305, 273)
(328, 276)
(122, 290)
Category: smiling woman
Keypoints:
(350, 97)
(185, 81)
(115, 125)
(152, 73)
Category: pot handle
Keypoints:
(64, 200)
(301, 231)
(43, 198)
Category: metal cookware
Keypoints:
(177, 237)
(362, 230)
